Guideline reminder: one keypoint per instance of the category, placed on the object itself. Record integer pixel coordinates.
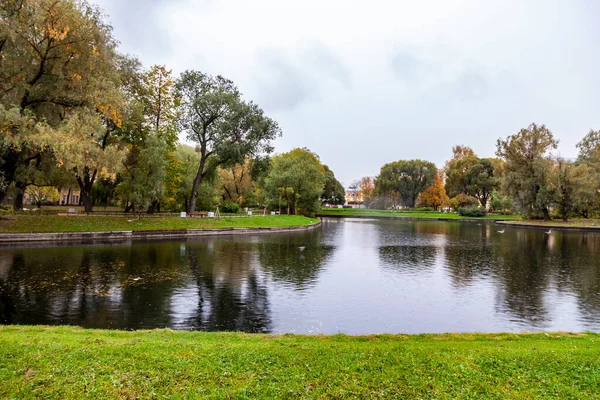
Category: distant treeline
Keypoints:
(527, 177)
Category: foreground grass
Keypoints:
(362, 212)
(55, 223)
(65, 362)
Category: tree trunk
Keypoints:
(85, 187)
(86, 198)
(9, 169)
(128, 206)
(19, 195)
(546, 214)
(155, 206)
(197, 181)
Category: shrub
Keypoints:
(230, 208)
(471, 211)
(463, 200)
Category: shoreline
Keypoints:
(146, 234)
(514, 224)
(549, 225)
(407, 218)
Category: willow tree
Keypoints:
(527, 168)
(56, 58)
(225, 128)
(406, 179)
(296, 180)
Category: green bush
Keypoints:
(463, 201)
(230, 208)
(471, 211)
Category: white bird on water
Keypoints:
(502, 231)
(301, 248)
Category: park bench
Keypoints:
(198, 214)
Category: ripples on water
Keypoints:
(354, 276)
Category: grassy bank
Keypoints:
(55, 223)
(361, 212)
(558, 223)
(65, 362)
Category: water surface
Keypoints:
(354, 276)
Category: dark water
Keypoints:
(355, 276)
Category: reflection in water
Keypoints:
(408, 258)
(354, 276)
(283, 260)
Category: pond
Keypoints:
(353, 276)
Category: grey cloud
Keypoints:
(282, 84)
(405, 65)
(471, 85)
(327, 62)
(286, 81)
(413, 68)
(139, 20)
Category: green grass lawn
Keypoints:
(67, 362)
(56, 223)
(362, 212)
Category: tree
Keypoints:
(473, 176)
(573, 188)
(225, 128)
(458, 153)
(527, 168)
(366, 189)
(589, 149)
(406, 177)
(149, 131)
(435, 195)
(333, 191)
(236, 184)
(89, 149)
(457, 177)
(56, 57)
(500, 203)
(296, 180)
(482, 181)
(41, 194)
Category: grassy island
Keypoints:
(70, 362)
(57, 223)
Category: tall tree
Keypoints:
(225, 129)
(406, 177)
(149, 132)
(527, 168)
(457, 177)
(574, 188)
(55, 58)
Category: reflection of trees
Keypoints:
(230, 294)
(469, 253)
(408, 258)
(92, 286)
(281, 257)
(530, 263)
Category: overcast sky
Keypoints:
(366, 83)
